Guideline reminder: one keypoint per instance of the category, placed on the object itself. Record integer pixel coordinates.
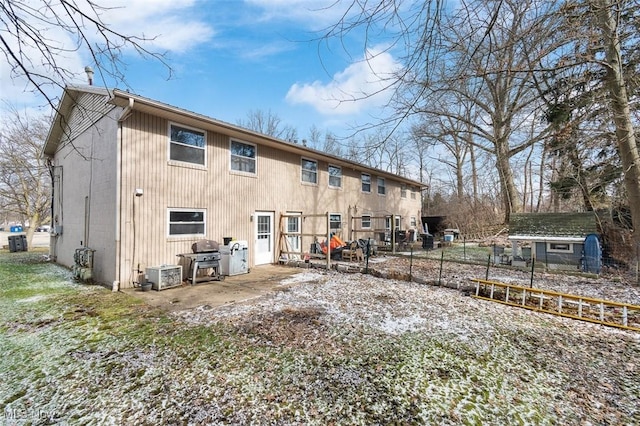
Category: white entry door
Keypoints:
(264, 238)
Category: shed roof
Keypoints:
(544, 226)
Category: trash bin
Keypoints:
(427, 241)
(17, 243)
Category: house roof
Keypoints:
(130, 101)
(552, 226)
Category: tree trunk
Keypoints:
(511, 199)
(621, 114)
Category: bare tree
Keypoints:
(270, 124)
(561, 35)
(485, 84)
(36, 58)
(609, 23)
(25, 184)
(477, 53)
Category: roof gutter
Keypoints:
(547, 238)
(126, 112)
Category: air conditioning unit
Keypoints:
(165, 276)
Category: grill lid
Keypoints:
(205, 246)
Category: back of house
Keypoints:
(137, 182)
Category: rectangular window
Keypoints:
(366, 221)
(187, 222)
(403, 191)
(413, 221)
(309, 171)
(293, 231)
(381, 188)
(187, 145)
(243, 157)
(335, 176)
(413, 194)
(560, 247)
(335, 222)
(366, 182)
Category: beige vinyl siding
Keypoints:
(229, 198)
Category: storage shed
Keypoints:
(557, 240)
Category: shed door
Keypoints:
(264, 238)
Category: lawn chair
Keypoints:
(353, 252)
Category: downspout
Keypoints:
(126, 113)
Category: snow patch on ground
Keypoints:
(32, 299)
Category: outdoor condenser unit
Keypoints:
(165, 276)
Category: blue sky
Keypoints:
(230, 57)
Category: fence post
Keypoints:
(486, 276)
(464, 247)
(441, 263)
(411, 265)
(366, 264)
(533, 265)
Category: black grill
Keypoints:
(205, 256)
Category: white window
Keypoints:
(413, 194)
(187, 145)
(366, 221)
(413, 221)
(309, 171)
(366, 182)
(186, 221)
(335, 176)
(335, 222)
(243, 157)
(560, 247)
(403, 191)
(382, 190)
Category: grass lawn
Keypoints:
(79, 354)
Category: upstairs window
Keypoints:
(309, 171)
(366, 221)
(413, 194)
(186, 222)
(403, 191)
(335, 176)
(366, 182)
(187, 145)
(382, 190)
(243, 157)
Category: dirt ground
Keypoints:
(259, 281)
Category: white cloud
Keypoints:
(362, 85)
(313, 14)
(172, 26)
